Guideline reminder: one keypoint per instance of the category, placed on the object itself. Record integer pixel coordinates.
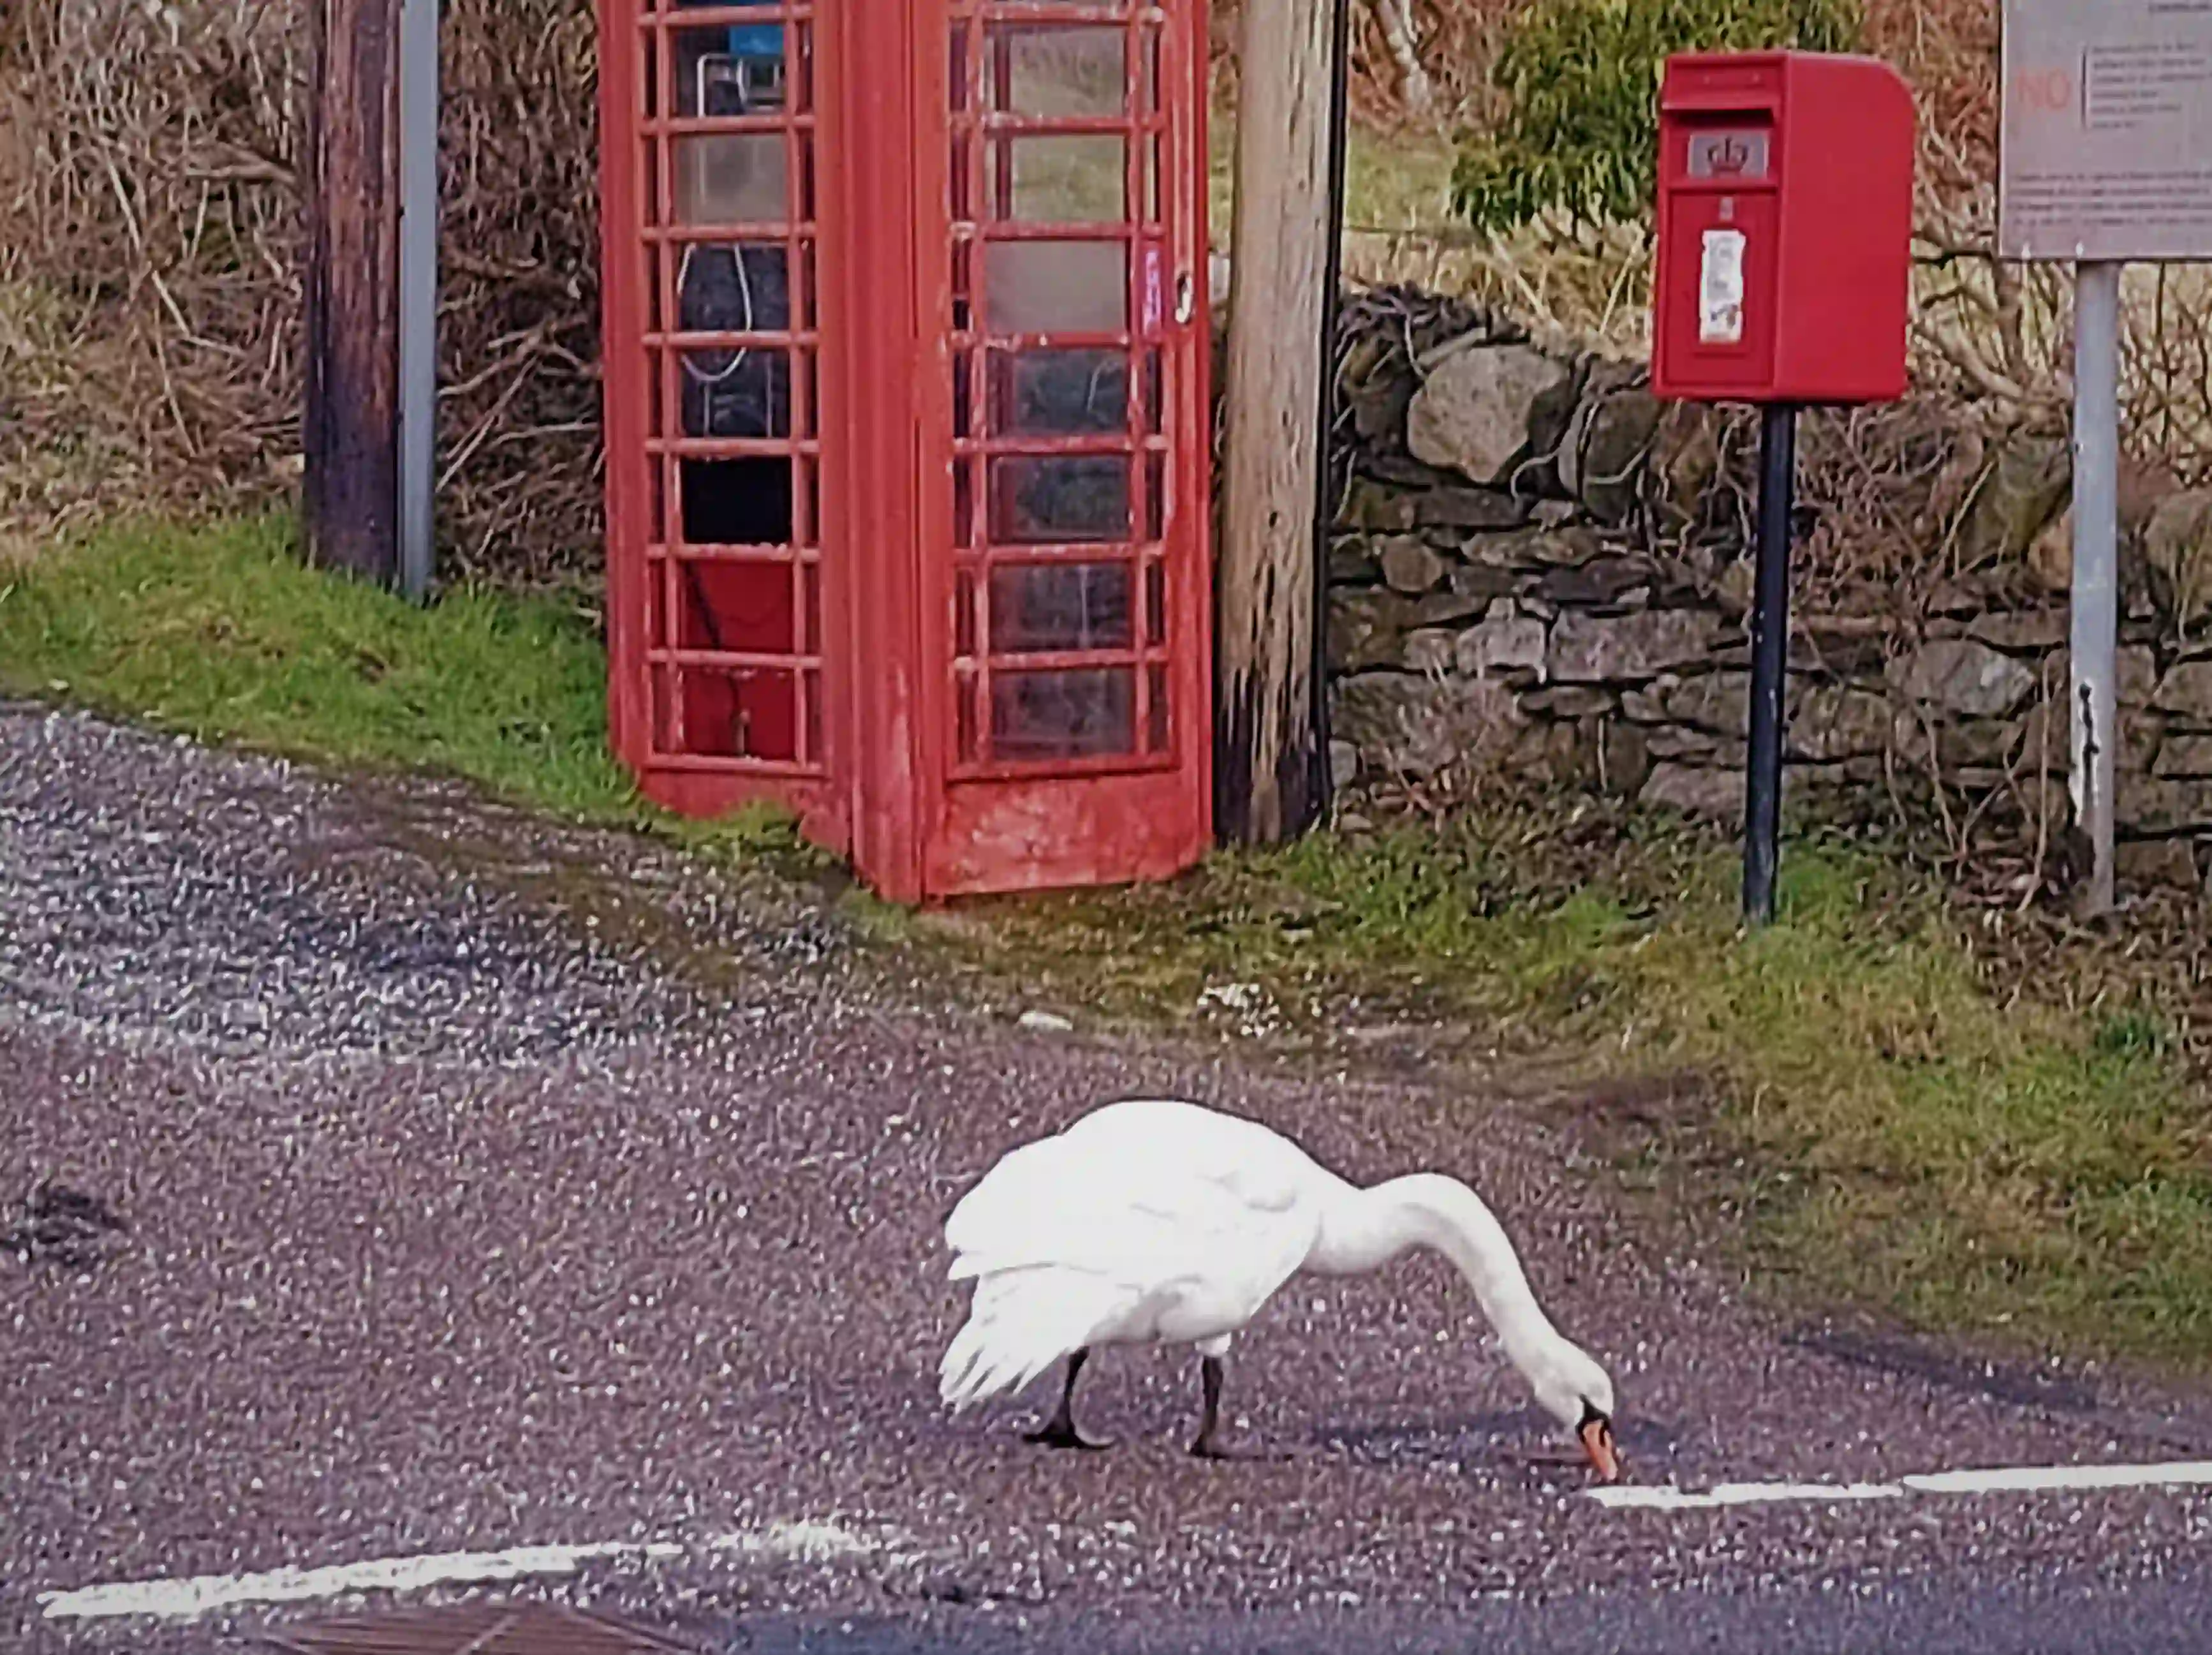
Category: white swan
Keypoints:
(1154, 1221)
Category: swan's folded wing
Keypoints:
(1144, 1223)
(1069, 1248)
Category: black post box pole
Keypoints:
(1770, 660)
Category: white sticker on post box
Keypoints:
(1720, 288)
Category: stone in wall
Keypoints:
(1963, 675)
(2177, 546)
(2184, 757)
(2149, 805)
(1482, 409)
(1452, 508)
(2018, 497)
(1591, 649)
(2170, 861)
(1504, 640)
(1605, 453)
(1409, 566)
(1601, 583)
(2186, 692)
(1417, 726)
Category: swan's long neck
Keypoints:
(1367, 1228)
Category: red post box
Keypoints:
(1785, 229)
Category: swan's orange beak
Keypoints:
(1596, 1435)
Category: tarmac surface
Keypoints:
(476, 1184)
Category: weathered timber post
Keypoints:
(1270, 759)
(350, 422)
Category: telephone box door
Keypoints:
(1066, 469)
(726, 587)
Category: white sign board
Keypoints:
(2107, 140)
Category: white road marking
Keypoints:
(2029, 1478)
(196, 1596)
(2024, 1478)
(1742, 1494)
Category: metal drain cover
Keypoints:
(475, 1629)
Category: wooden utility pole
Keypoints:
(1271, 759)
(349, 424)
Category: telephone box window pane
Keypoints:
(745, 608)
(1067, 72)
(731, 177)
(1157, 714)
(742, 714)
(740, 288)
(1071, 179)
(1084, 713)
(1048, 287)
(737, 502)
(1061, 392)
(722, 69)
(1040, 607)
(1052, 501)
(736, 393)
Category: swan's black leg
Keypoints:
(1209, 1378)
(1060, 1431)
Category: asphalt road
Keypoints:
(491, 1186)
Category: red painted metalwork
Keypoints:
(1783, 270)
(908, 426)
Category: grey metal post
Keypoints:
(418, 294)
(2094, 709)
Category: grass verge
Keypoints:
(219, 632)
(1902, 1125)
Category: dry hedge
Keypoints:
(150, 293)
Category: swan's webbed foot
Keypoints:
(1060, 1431)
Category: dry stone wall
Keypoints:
(1538, 567)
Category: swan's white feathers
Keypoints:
(1144, 1220)
(1160, 1221)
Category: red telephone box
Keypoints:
(1784, 259)
(908, 426)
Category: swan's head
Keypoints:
(1576, 1392)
